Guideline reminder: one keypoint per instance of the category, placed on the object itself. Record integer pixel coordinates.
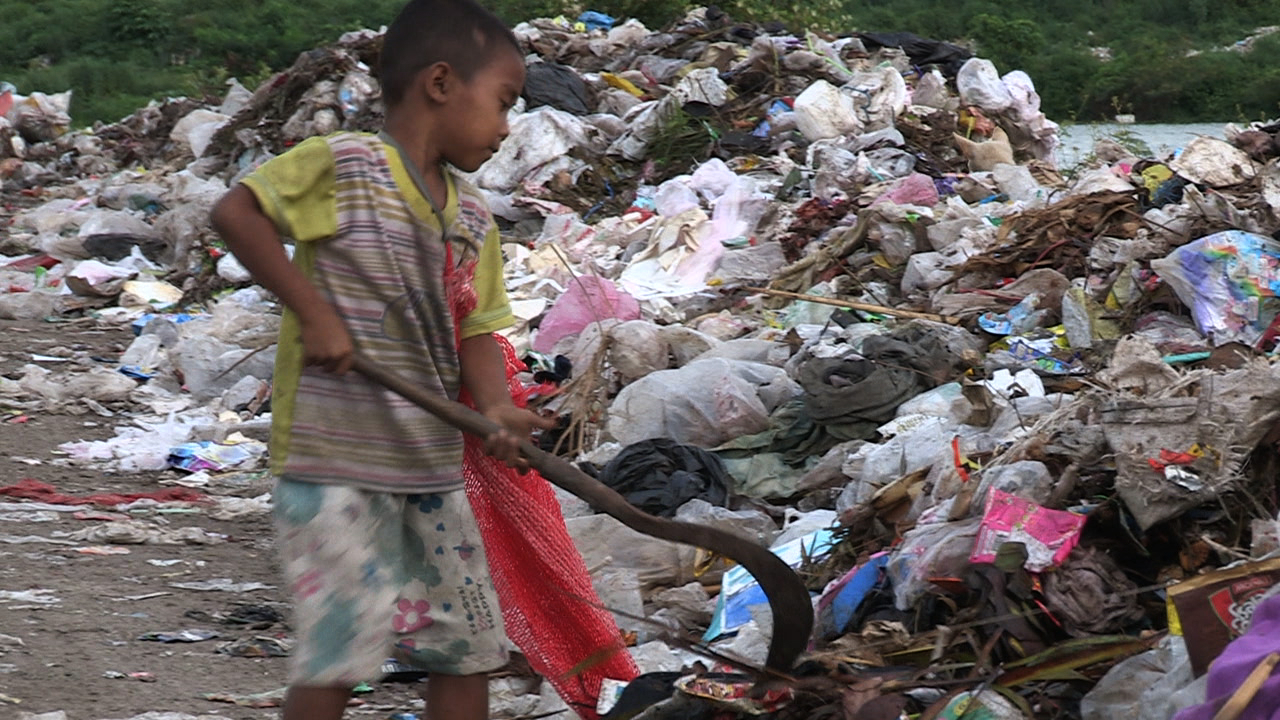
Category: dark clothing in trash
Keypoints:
(118, 246)
(791, 432)
(850, 398)
(556, 85)
(922, 51)
(658, 476)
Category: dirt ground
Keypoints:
(68, 653)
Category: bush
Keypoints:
(115, 54)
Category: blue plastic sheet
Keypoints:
(596, 21)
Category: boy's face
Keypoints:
(477, 116)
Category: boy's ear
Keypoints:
(435, 82)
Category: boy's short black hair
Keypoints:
(458, 32)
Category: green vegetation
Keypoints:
(118, 54)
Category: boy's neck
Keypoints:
(416, 142)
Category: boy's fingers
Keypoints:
(343, 364)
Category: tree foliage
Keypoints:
(118, 54)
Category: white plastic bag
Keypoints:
(608, 545)
(637, 348)
(705, 403)
(196, 129)
(675, 196)
(822, 111)
(980, 84)
(537, 138)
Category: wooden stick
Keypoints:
(1248, 689)
(854, 305)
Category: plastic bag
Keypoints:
(559, 86)
(1228, 279)
(915, 449)
(93, 278)
(822, 111)
(677, 261)
(537, 138)
(1043, 132)
(355, 92)
(737, 212)
(834, 166)
(931, 91)
(749, 523)
(1140, 687)
(588, 299)
(636, 349)
(945, 401)
(752, 265)
(596, 20)
(928, 551)
(53, 217)
(230, 269)
(881, 96)
(687, 344)
(607, 544)
(675, 196)
(702, 85)
(1027, 479)
(705, 403)
(712, 179)
(205, 363)
(99, 384)
(741, 596)
(980, 84)
(927, 271)
(914, 189)
(35, 305)
(196, 129)
(115, 222)
(1017, 182)
(1048, 535)
(40, 117)
(236, 98)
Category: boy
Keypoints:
(400, 260)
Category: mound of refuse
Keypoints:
(1015, 423)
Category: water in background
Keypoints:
(1163, 140)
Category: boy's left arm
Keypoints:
(484, 375)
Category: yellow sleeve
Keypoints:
(493, 311)
(297, 191)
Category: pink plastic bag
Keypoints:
(589, 299)
(1049, 535)
(915, 189)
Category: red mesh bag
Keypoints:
(549, 606)
(550, 609)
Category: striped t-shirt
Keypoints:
(372, 244)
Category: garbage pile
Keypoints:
(1014, 424)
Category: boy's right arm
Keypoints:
(252, 237)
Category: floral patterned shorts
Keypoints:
(379, 575)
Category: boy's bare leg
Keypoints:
(457, 697)
(315, 703)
